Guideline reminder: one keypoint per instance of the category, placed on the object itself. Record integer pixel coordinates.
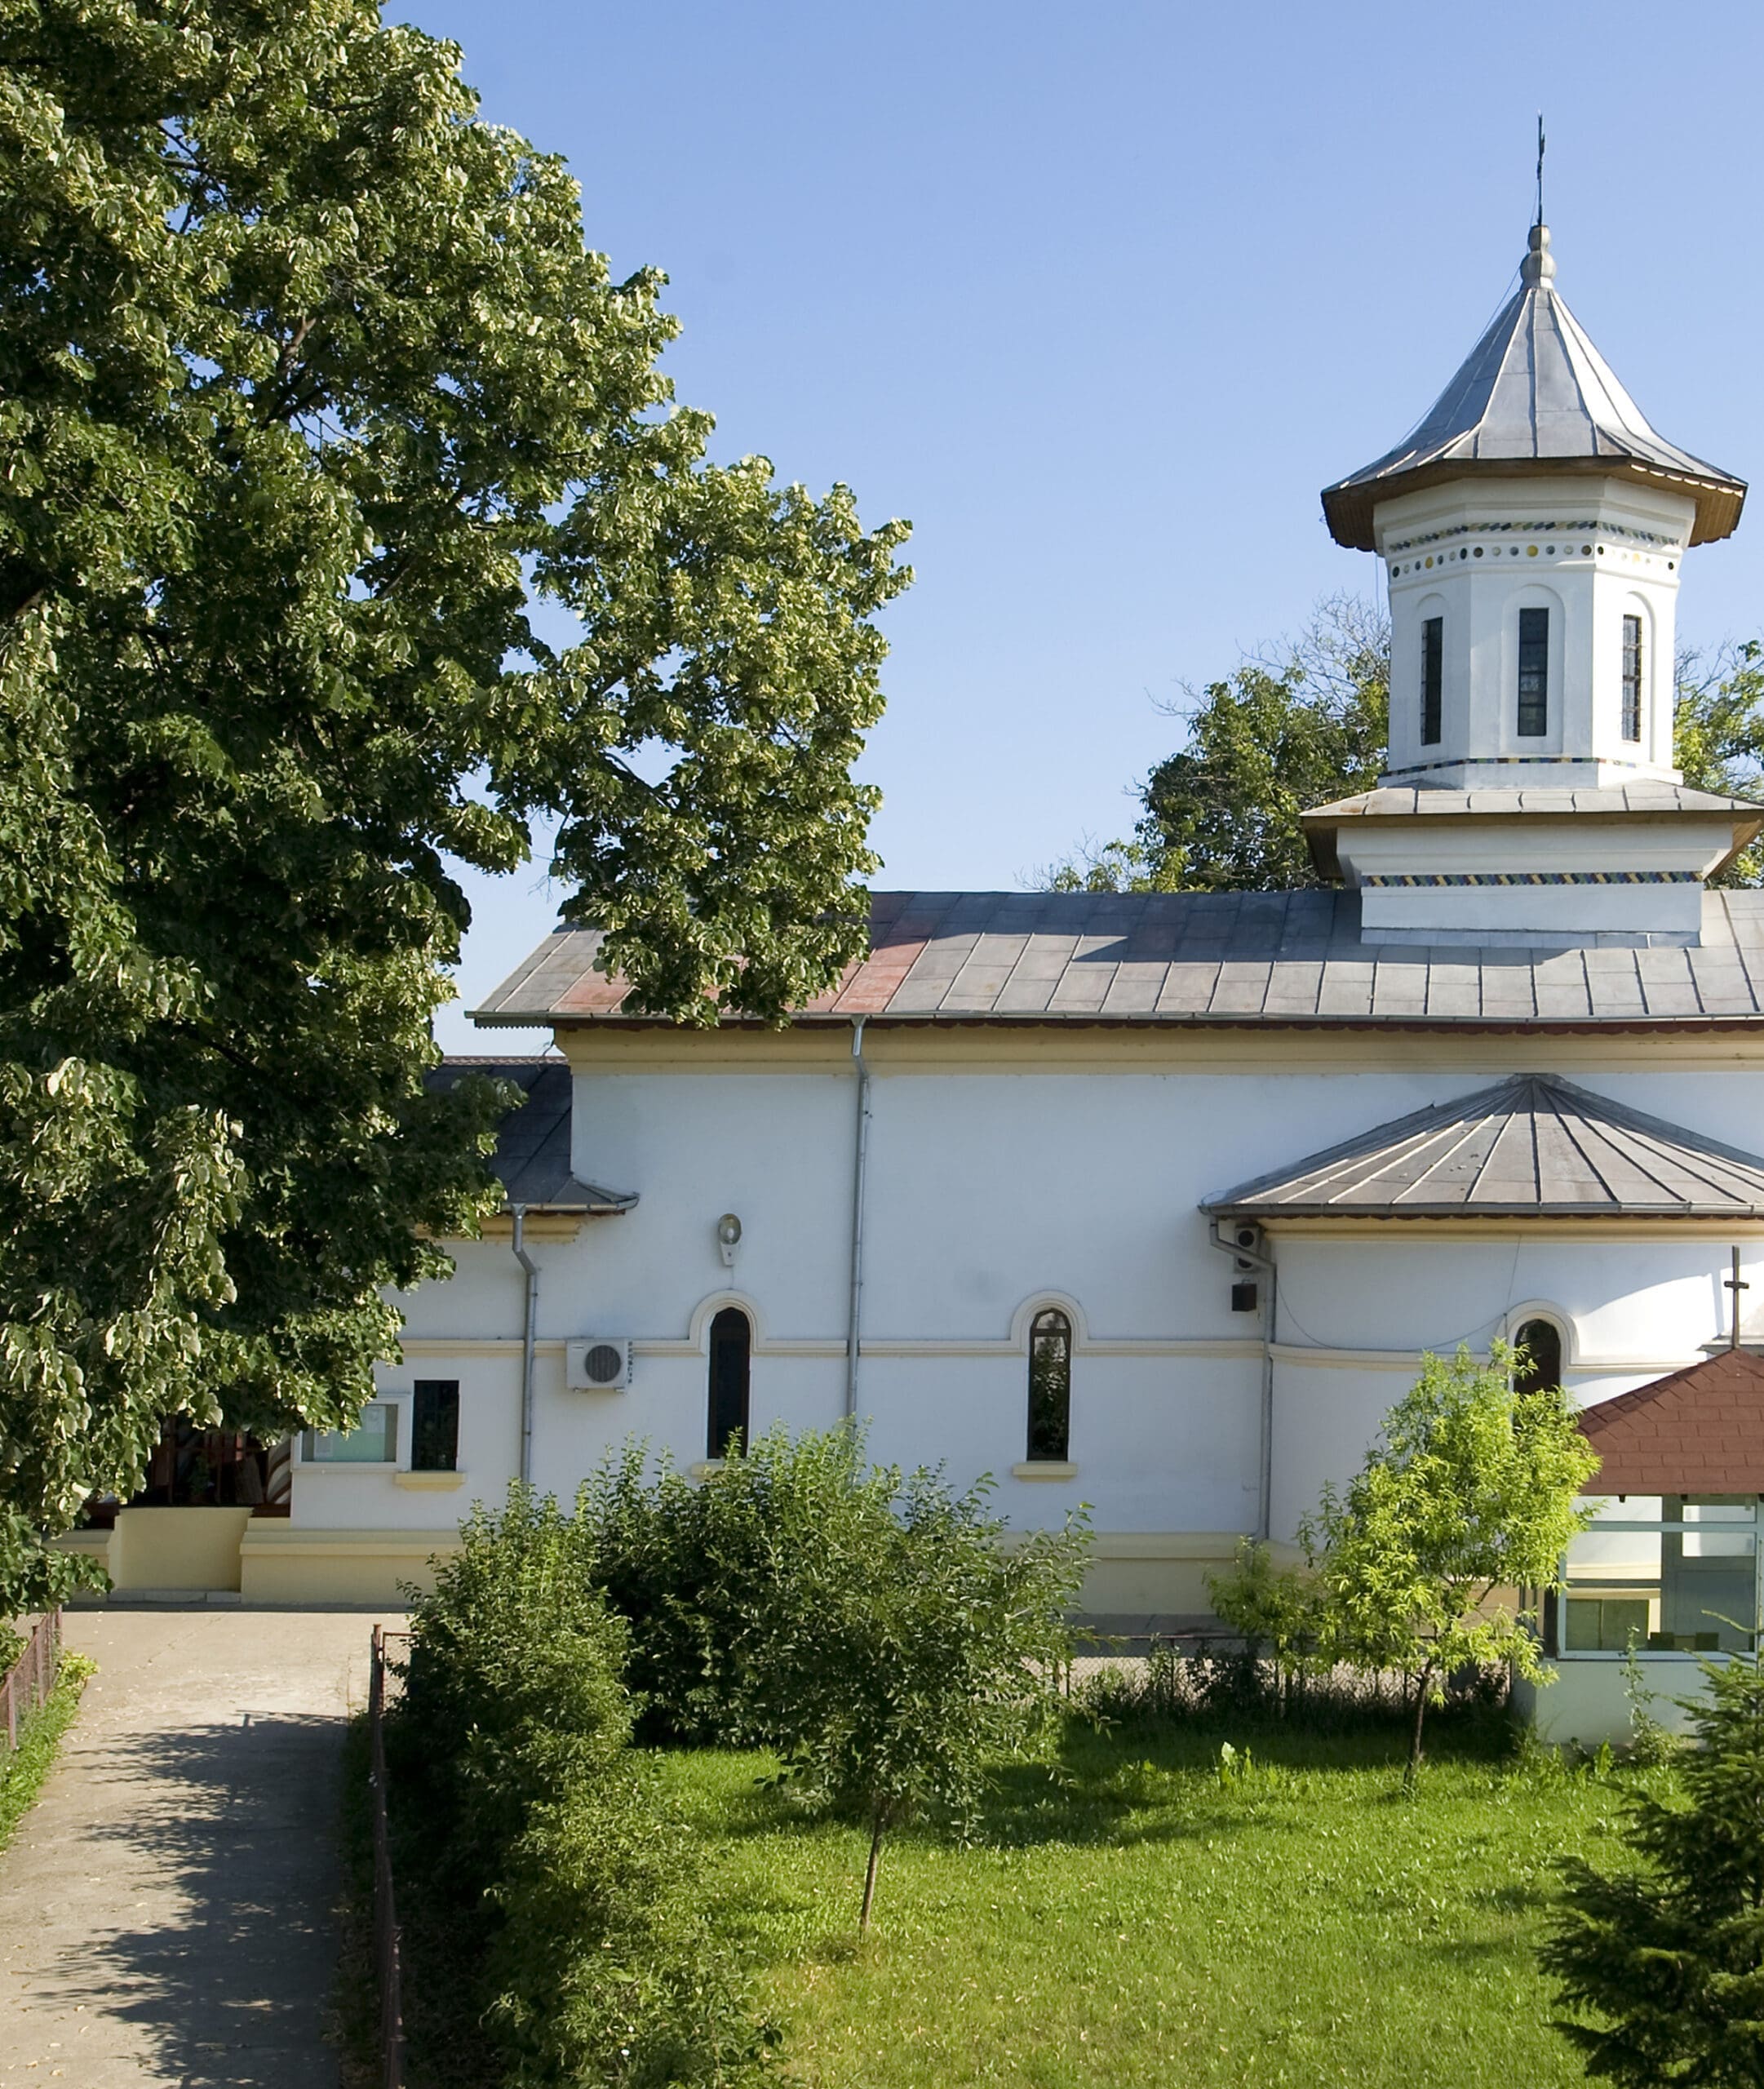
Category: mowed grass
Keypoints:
(1126, 1920)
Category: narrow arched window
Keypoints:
(1632, 678)
(731, 1348)
(1050, 1388)
(1540, 1342)
(1534, 672)
(1432, 679)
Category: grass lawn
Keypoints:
(1126, 1920)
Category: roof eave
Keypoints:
(1349, 505)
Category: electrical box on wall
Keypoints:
(597, 1364)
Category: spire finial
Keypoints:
(1539, 265)
(1538, 219)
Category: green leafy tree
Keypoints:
(1467, 1499)
(1667, 1958)
(1718, 735)
(1307, 723)
(312, 398)
(895, 1657)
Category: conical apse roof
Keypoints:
(1533, 395)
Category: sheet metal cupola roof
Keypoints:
(1533, 397)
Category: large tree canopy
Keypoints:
(309, 390)
(1307, 721)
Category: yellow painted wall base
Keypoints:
(176, 1548)
(282, 1564)
(1155, 1573)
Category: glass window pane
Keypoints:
(1682, 1591)
(373, 1441)
(1534, 672)
(435, 1425)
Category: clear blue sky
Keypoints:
(1100, 296)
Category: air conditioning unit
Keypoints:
(597, 1364)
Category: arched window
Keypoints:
(1050, 1388)
(731, 1348)
(1540, 1364)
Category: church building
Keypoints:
(1154, 1201)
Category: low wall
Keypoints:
(176, 1549)
(1154, 1573)
(281, 1564)
(1588, 1700)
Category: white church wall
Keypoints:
(989, 1191)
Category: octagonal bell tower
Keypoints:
(1533, 529)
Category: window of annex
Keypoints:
(1050, 1388)
(374, 1440)
(1662, 1574)
(731, 1366)
(435, 1425)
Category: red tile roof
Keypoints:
(1696, 1431)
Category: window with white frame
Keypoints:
(1664, 1573)
(374, 1440)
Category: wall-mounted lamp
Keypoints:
(728, 1238)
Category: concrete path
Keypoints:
(166, 1907)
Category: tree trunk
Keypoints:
(869, 1876)
(1414, 1769)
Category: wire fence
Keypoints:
(388, 1951)
(26, 1685)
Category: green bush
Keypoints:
(554, 1919)
(695, 1570)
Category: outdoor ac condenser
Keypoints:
(597, 1364)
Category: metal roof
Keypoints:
(1698, 1431)
(1532, 1146)
(1649, 802)
(1157, 958)
(1533, 394)
(532, 1156)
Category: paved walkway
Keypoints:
(166, 1908)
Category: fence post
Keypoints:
(387, 1953)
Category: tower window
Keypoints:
(1050, 1388)
(1632, 678)
(1540, 1364)
(1533, 673)
(731, 1349)
(1433, 678)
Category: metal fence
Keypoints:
(31, 1678)
(387, 1956)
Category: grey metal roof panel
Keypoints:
(1533, 394)
(532, 1156)
(1529, 1147)
(1294, 956)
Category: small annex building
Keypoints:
(1154, 1201)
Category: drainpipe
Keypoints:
(1262, 1260)
(528, 1321)
(859, 1155)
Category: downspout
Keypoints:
(528, 1321)
(860, 1157)
(1264, 1460)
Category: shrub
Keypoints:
(1670, 1956)
(553, 1884)
(1282, 1611)
(692, 1569)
